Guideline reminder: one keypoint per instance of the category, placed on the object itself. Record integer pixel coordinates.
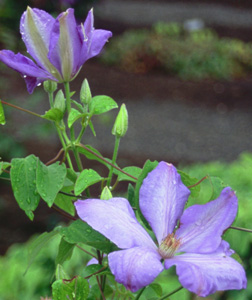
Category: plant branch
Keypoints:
(55, 158)
(64, 213)
(241, 229)
(202, 179)
(89, 253)
(22, 109)
(172, 293)
(107, 162)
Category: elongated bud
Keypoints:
(60, 101)
(121, 123)
(106, 194)
(50, 86)
(2, 117)
(85, 92)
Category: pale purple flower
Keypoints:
(203, 260)
(59, 46)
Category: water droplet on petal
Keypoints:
(39, 84)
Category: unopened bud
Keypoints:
(106, 194)
(60, 101)
(50, 86)
(85, 93)
(121, 123)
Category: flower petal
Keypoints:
(116, 220)
(135, 267)
(204, 274)
(65, 45)
(202, 225)
(92, 40)
(162, 199)
(35, 27)
(26, 67)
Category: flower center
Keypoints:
(169, 246)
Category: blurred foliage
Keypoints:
(197, 54)
(11, 11)
(36, 283)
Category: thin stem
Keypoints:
(64, 213)
(55, 158)
(100, 288)
(89, 253)
(172, 293)
(140, 293)
(241, 229)
(106, 161)
(97, 272)
(22, 109)
(116, 147)
(50, 94)
(193, 185)
(72, 134)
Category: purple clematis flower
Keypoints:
(58, 46)
(203, 260)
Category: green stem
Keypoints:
(172, 293)
(22, 109)
(140, 293)
(50, 94)
(72, 134)
(116, 147)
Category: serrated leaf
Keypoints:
(40, 242)
(134, 171)
(148, 167)
(101, 104)
(217, 186)
(86, 178)
(188, 181)
(50, 180)
(2, 117)
(73, 116)
(75, 289)
(80, 232)
(54, 114)
(65, 252)
(23, 182)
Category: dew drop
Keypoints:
(39, 84)
(25, 76)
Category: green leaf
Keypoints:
(134, 171)
(75, 289)
(131, 195)
(101, 104)
(86, 178)
(188, 180)
(39, 242)
(88, 271)
(4, 166)
(80, 232)
(64, 201)
(65, 252)
(148, 167)
(78, 105)
(54, 114)
(73, 116)
(60, 273)
(60, 101)
(23, 181)
(156, 288)
(217, 186)
(92, 127)
(2, 117)
(50, 180)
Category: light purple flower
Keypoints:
(203, 260)
(59, 46)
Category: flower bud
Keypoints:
(106, 194)
(60, 101)
(50, 86)
(85, 93)
(121, 123)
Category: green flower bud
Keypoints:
(121, 123)
(106, 194)
(85, 93)
(60, 101)
(50, 86)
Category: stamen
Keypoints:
(169, 246)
